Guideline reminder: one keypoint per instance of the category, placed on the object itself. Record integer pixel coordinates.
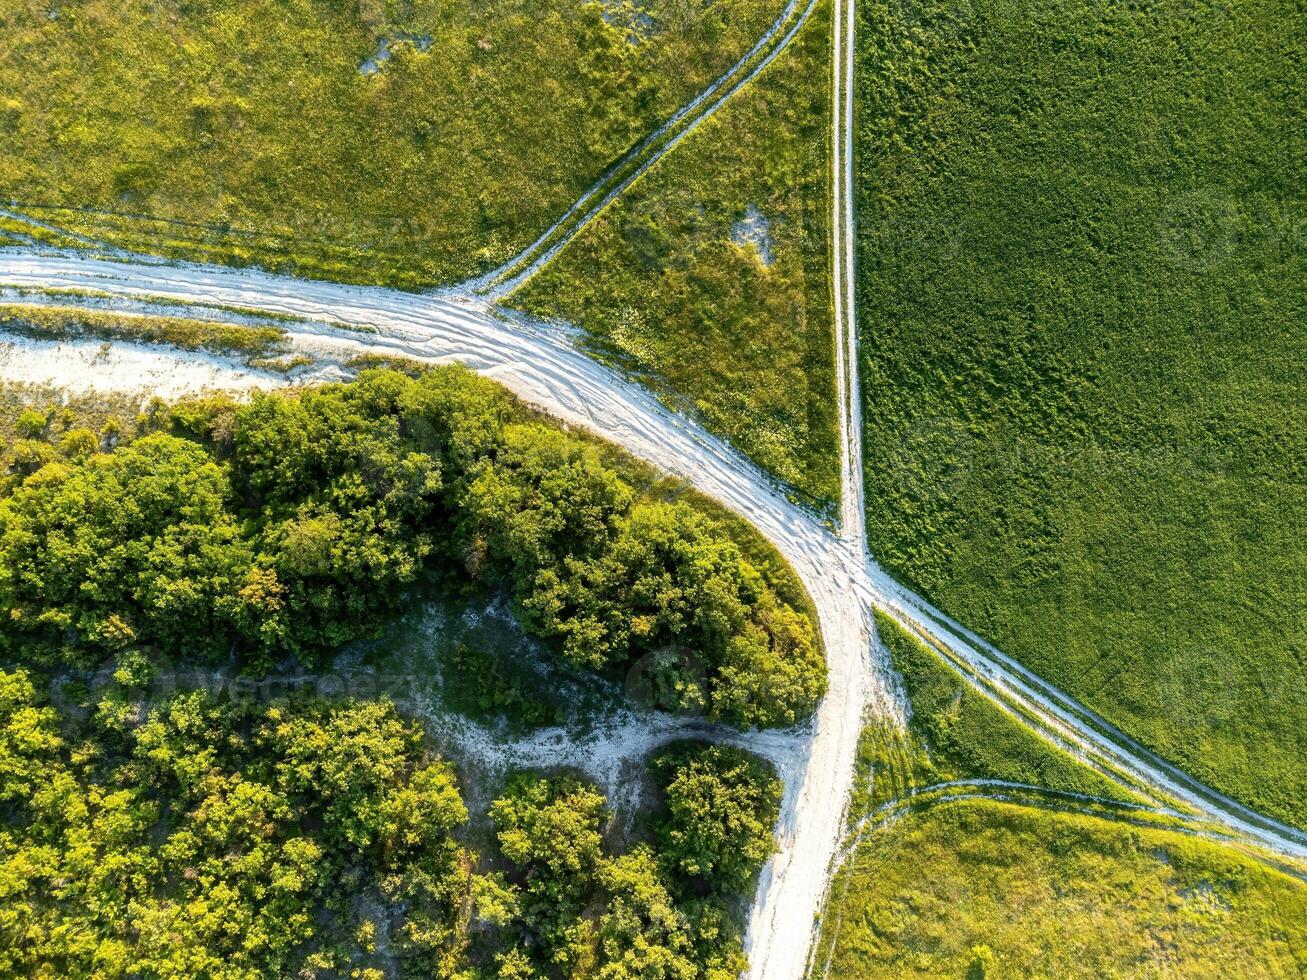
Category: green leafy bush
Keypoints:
(295, 523)
(721, 807)
(586, 912)
(218, 839)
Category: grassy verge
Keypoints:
(982, 889)
(380, 142)
(40, 424)
(956, 733)
(1082, 339)
(216, 338)
(709, 277)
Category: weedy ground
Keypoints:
(709, 278)
(981, 889)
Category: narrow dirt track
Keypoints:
(543, 366)
(541, 363)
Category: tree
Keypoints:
(136, 546)
(200, 846)
(549, 828)
(641, 935)
(721, 807)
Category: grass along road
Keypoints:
(540, 363)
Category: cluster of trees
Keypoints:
(200, 837)
(213, 839)
(295, 523)
(662, 909)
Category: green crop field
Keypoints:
(982, 889)
(710, 279)
(405, 143)
(1083, 341)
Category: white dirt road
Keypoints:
(89, 365)
(541, 364)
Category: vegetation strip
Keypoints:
(220, 338)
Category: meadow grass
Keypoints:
(954, 732)
(270, 132)
(709, 278)
(218, 338)
(983, 889)
(1082, 336)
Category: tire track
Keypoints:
(500, 282)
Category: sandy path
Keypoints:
(90, 365)
(540, 363)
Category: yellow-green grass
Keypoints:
(727, 317)
(219, 338)
(984, 889)
(957, 733)
(247, 132)
(1083, 335)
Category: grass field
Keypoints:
(1083, 336)
(956, 733)
(709, 277)
(388, 141)
(982, 889)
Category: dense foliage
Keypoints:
(710, 276)
(1082, 336)
(197, 837)
(721, 804)
(382, 141)
(651, 912)
(295, 523)
(219, 840)
(984, 889)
